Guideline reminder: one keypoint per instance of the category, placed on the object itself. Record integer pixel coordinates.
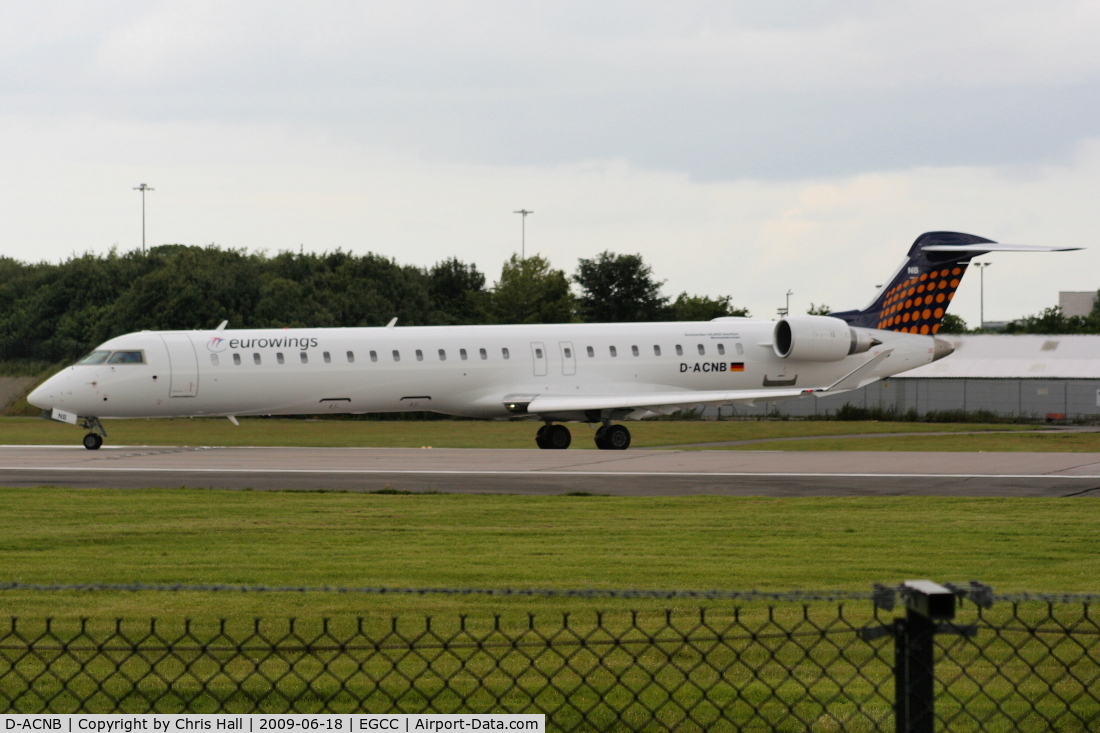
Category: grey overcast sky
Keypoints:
(742, 148)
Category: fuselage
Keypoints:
(455, 370)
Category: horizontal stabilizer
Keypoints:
(997, 247)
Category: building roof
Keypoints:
(1015, 357)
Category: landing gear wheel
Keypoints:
(92, 441)
(558, 437)
(601, 437)
(615, 437)
(540, 437)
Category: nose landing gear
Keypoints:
(612, 437)
(553, 437)
(94, 439)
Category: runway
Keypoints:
(629, 473)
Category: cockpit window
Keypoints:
(96, 357)
(127, 357)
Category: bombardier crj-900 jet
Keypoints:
(591, 373)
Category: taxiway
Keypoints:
(629, 473)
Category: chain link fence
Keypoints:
(1002, 663)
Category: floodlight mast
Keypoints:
(143, 188)
(981, 302)
(523, 232)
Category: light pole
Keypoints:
(981, 298)
(143, 188)
(523, 232)
(784, 312)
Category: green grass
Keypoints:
(444, 433)
(55, 535)
(1030, 442)
(482, 541)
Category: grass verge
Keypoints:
(1031, 442)
(481, 541)
(441, 433)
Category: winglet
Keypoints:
(852, 379)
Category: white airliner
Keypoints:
(593, 373)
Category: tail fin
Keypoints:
(917, 296)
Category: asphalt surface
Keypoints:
(628, 473)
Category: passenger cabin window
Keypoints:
(351, 357)
(328, 357)
(255, 358)
(591, 351)
(538, 353)
(237, 359)
(462, 354)
(279, 358)
(484, 354)
(504, 353)
(634, 350)
(127, 357)
(656, 350)
(396, 355)
(304, 356)
(419, 355)
(96, 357)
(702, 351)
(374, 355)
(612, 350)
(214, 359)
(679, 350)
(568, 353)
(442, 355)
(721, 349)
(740, 350)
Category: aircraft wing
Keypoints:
(656, 401)
(671, 401)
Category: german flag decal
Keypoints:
(737, 366)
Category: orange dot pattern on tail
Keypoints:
(908, 305)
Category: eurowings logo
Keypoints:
(216, 344)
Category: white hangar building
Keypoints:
(1024, 376)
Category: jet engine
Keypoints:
(819, 338)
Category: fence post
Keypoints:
(914, 663)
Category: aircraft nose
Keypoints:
(38, 396)
(46, 395)
(941, 348)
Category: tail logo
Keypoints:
(917, 305)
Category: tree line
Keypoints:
(55, 311)
(1049, 321)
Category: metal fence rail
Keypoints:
(1015, 666)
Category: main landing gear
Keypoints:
(557, 437)
(553, 437)
(94, 439)
(612, 437)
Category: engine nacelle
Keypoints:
(819, 338)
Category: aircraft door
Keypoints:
(184, 364)
(568, 359)
(538, 354)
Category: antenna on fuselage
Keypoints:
(392, 323)
(222, 325)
